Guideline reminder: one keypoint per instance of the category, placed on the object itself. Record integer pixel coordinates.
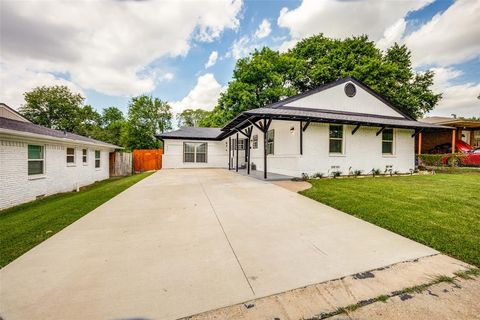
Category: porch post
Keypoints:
(229, 153)
(236, 147)
(248, 154)
(454, 138)
(301, 137)
(265, 131)
(419, 143)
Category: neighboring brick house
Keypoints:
(36, 161)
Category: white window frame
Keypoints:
(195, 151)
(85, 157)
(71, 164)
(271, 143)
(255, 141)
(342, 139)
(42, 159)
(392, 141)
(99, 159)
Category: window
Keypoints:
(97, 158)
(387, 141)
(270, 141)
(84, 156)
(195, 152)
(36, 159)
(70, 155)
(255, 141)
(336, 138)
(241, 144)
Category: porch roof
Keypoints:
(328, 116)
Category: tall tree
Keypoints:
(192, 117)
(54, 107)
(389, 73)
(262, 78)
(146, 117)
(113, 124)
(267, 76)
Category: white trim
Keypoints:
(49, 138)
(44, 167)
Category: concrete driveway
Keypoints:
(182, 242)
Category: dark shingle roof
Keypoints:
(341, 117)
(27, 127)
(192, 133)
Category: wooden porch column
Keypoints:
(229, 153)
(236, 151)
(454, 140)
(420, 143)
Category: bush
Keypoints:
(305, 176)
(356, 173)
(435, 160)
(318, 175)
(336, 174)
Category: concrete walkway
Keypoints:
(181, 242)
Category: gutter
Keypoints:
(63, 140)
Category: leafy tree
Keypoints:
(267, 76)
(113, 124)
(260, 79)
(192, 117)
(54, 107)
(89, 123)
(146, 117)
(389, 73)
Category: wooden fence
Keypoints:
(145, 160)
(120, 164)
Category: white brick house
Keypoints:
(36, 161)
(343, 126)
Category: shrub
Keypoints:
(305, 176)
(318, 175)
(336, 174)
(356, 173)
(375, 172)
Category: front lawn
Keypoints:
(441, 211)
(24, 226)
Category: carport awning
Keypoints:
(327, 116)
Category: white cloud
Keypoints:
(263, 30)
(242, 47)
(166, 76)
(204, 95)
(460, 99)
(17, 80)
(341, 19)
(212, 59)
(106, 45)
(451, 37)
(392, 34)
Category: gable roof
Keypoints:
(329, 85)
(14, 113)
(192, 133)
(29, 129)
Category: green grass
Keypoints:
(441, 211)
(24, 226)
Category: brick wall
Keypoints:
(16, 186)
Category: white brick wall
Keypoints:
(17, 187)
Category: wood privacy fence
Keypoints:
(120, 164)
(145, 160)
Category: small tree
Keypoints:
(147, 116)
(54, 107)
(192, 117)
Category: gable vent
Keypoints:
(350, 90)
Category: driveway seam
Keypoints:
(226, 237)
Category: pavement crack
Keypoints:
(226, 237)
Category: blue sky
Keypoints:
(110, 51)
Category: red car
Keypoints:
(460, 146)
(469, 158)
